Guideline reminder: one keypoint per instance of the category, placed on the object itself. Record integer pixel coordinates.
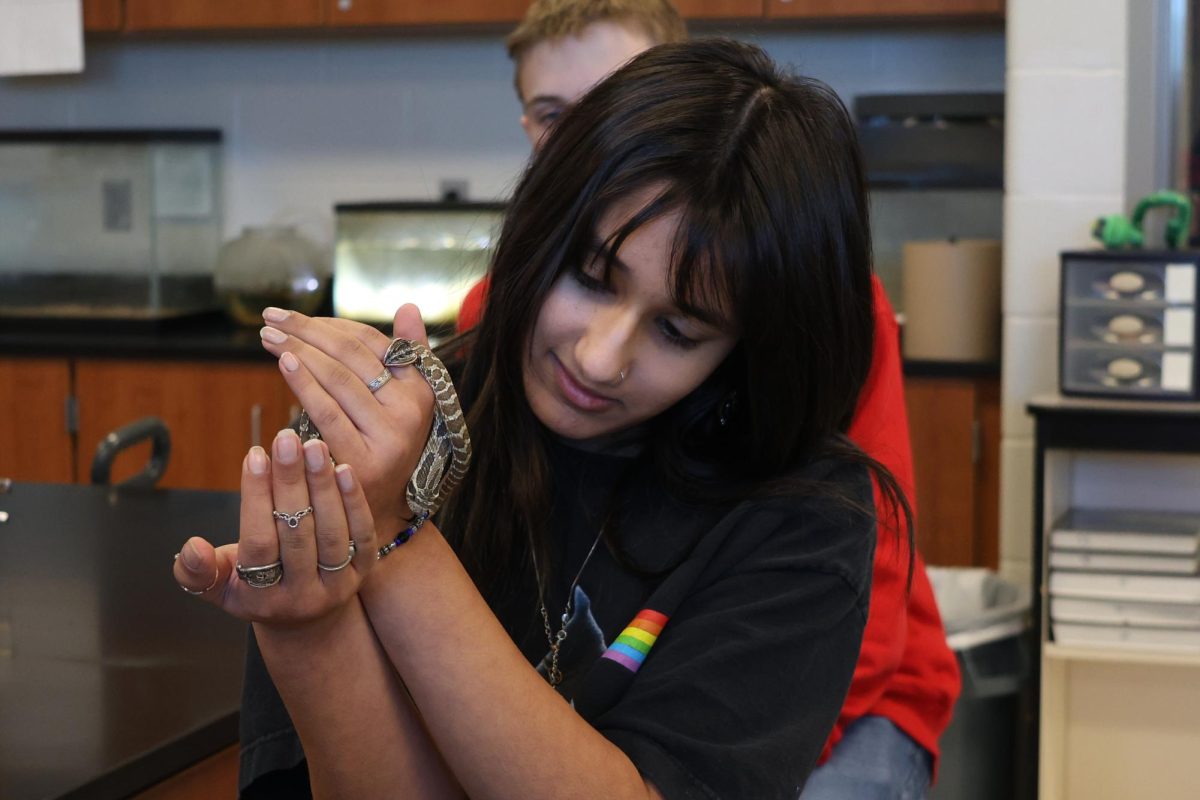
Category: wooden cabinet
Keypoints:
(721, 9)
(422, 12)
(214, 411)
(102, 16)
(55, 411)
(156, 15)
(848, 9)
(35, 443)
(199, 15)
(955, 428)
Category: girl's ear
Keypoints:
(407, 324)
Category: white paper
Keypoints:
(1179, 326)
(41, 37)
(1181, 283)
(1177, 372)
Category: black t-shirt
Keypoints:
(715, 652)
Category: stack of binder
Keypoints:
(1128, 579)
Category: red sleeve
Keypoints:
(471, 310)
(905, 670)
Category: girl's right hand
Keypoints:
(299, 517)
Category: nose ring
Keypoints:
(620, 377)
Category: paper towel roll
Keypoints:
(952, 300)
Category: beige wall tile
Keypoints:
(1065, 133)
(1067, 34)
(1036, 229)
(1030, 368)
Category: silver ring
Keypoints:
(344, 564)
(208, 588)
(261, 577)
(377, 384)
(292, 520)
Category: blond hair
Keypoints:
(553, 19)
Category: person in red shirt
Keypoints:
(885, 742)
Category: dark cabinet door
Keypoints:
(101, 16)
(722, 9)
(955, 429)
(844, 9)
(35, 444)
(156, 15)
(423, 12)
(214, 411)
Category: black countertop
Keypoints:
(214, 337)
(209, 336)
(111, 678)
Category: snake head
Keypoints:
(401, 353)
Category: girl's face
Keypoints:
(607, 355)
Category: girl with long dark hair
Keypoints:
(653, 579)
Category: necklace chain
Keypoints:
(555, 640)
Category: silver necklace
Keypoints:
(555, 640)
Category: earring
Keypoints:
(728, 406)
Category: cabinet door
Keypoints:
(883, 8)
(955, 430)
(721, 9)
(423, 12)
(101, 15)
(35, 444)
(214, 411)
(156, 15)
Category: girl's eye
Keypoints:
(550, 117)
(674, 336)
(590, 282)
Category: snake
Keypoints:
(447, 453)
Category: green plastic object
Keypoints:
(1117, 231)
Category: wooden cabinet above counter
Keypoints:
(147, 16)
(195, 15)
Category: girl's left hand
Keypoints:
(328, 364)
(301, 520)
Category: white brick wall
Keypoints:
(1064, 166)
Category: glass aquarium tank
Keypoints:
(387, 254)
(108, 224)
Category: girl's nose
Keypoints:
(604, 350)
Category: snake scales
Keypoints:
(447, 452)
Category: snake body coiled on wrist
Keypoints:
(447, 453)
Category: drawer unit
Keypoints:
(1128, 324)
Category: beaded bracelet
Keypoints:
(403, 536)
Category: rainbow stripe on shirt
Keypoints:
(630, 648)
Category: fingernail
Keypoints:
(191, 557)
(258, 460)
(273, 314)
(290, 362)
(287, 446)
(272, 335)
(313, 457)
(345, 479)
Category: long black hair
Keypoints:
(766, 173)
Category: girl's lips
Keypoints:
(576, 394)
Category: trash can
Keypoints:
(987, 624)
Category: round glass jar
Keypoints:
(270, 265)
